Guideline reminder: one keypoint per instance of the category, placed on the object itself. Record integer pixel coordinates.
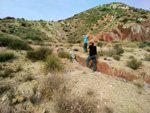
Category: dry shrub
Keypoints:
(76, 105)
(50, 85)
(53, 64)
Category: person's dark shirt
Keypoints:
(93, 50)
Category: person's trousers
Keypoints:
(85, 47)
(93, 58)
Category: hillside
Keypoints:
(32, 31)
(115, 21)
(38, 73)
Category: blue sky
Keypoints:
(56, 9)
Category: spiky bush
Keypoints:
(39, 54)
(134, 63)
(5, 56)
(53, 64)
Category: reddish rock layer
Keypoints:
(109, 70)
(138, 32)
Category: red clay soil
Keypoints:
(109, 70)
(138, 32)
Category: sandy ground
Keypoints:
(106, 91)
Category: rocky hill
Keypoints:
(115, 21)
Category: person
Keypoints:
(85, 43)
(92, 56)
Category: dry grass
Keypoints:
(75, 105)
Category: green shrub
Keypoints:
(100, 44)
(118, 49)
(144, 44)
(131, 57)
(116, 57)
(19, 44)
(53, 64)
(109, 52)
(6, 73)
(131, 45)
(4, 88)
(134, 63)
(27, 77)
(5, 56)
(147, 49)
(12, 43)
(39, 54)
(64, 54)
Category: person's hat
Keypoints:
(91, 42)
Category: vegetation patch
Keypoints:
(116, 57)
(118, 49)
(5, 56)
(64, 54)
(6, 73)
(134, 63)
(7, 41)
(147, 57)
(4, 88)
(39, 54)
(144, 44)
(53, 64)
(51, 84)
(76, 105)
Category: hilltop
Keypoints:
(115, 21)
